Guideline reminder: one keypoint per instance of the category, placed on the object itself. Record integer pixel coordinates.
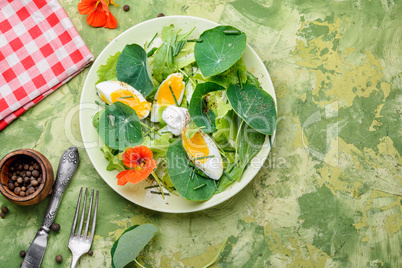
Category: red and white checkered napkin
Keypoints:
(40, 50)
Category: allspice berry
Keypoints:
(22, 253)
(59, 258)
(161, 15)
(2, 215)
(126, 8)
(90, 253)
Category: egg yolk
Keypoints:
(173, 83)
(196, 146)
(128, 98)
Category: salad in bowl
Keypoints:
(182, 114)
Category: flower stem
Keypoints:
(217, 255)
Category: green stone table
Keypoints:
(329, 194)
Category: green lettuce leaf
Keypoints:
(107, 72)
(236, 72)
(218, 103)
(115, 161)
(158, 146)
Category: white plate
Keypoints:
(136, 193)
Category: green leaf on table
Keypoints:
(133, 68)
(180, 175)
(126, 249)
(254, 105)
(107, 72)
(200, 114)
(119, 127)
(218, 50)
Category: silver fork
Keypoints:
(79, 244)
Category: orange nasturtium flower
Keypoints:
(98, 13)
(139, 159)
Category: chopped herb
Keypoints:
(126, 97)
(174, 97)
(102, 103)
(227, 175)
(232, 32)
(178, 48)
(162, 193)
(151, 52)
(239, 76)
(172, 53)
(203, 157)
(195, 40)
(152, 186)
(199, 186)
(153, 38)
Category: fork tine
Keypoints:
(82, 214)
(76, 215)
(89, 215)
(94, 217)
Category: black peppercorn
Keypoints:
(161, 15)
(59, 258)
(90, 253)
(22, 253)
(4, 209)
(55, 227)
(2, 215)
(126, 8)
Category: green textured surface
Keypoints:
(330, 192)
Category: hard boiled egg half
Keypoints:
(173, 84)
(204, 153)
(112, 91)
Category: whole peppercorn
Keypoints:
(59, 258)
(22, 253)
(35, 173)
(161, 15)
(2, 215)
(90, 253)
(4, 209)
(126, 8)
(55, 227)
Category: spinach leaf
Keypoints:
(255, 106)
(218, 50)
(133, 68)
(119, 127)
(131, 243)
(199, 113)
(180, 172)
(107, 71)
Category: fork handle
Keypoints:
(67, 166)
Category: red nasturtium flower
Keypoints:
(139, 159)
(98, 13)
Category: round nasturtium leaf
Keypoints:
(254, 105)
(219, 49)
(132, 68)
(119, 127)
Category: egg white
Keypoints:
(106, 88)
(156, 106)
(213, 167)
